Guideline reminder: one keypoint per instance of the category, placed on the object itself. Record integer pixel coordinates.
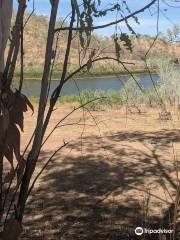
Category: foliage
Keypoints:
(107, 99)
(113, 99)
(168, 85)
(127, 41)
(131, 93)
(173, 35)
(86, 15)
(69, 99)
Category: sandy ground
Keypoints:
(114, 174)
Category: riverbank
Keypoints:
(36, 74)
(110, 99)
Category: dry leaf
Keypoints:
(13, 106)
(19, 106)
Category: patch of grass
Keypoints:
(36, 73)
(34, 99)
(62, 99)
(69, 99)
(109, 99)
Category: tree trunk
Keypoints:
(34, 153)
(5, 23)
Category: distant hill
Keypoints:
(35, 42)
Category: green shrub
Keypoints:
(169, 84)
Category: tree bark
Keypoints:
(5, 23)
(34, 153)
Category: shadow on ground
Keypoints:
(101, 192)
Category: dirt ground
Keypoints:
(117, 172)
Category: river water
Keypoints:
(31, 87)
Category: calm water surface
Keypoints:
(32, 86)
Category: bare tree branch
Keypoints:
(55, 94)
(93, 61)
(111, 23)
(44, 167)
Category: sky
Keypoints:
(169, 15)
